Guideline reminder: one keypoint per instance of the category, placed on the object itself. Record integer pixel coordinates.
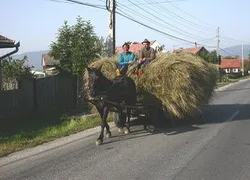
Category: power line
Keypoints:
(60, 1)
(123, 15)
(192, 16)
(191, 35)
(169, 35)
(163, 10)
(151, 20)
(228, 52)
(87, 4)
(141, 4)
(200, 42)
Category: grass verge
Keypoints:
(230, 81)
(31, 138)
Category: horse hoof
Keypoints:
(108, 135)
(150, 128)
(98, 142)
(127, 131)
(119, 130)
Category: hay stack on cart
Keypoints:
(179, 82)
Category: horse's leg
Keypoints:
(100, 138)
(127, 124)
(121, 125)
(105, 115)
(103, 111)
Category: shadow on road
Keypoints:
(211, 114)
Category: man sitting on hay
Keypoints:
(147, 54)
(126, 58)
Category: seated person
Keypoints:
(126, 57)
(147, 54)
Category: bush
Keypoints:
(232, 76)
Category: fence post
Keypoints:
(77, 92)
(34, 95)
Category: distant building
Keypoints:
(38, 74)
(231, 65)
(196, 50)
(49, 62)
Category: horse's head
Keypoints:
(97, 82)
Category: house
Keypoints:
(231, 65)
(200, 51)
(48, 62)
(5, 41)
(135, 47)
(8, 43)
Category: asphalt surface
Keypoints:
(218, 148)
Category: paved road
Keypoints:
(218, 149)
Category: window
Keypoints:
(235, 70)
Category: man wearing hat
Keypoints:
(147, 54)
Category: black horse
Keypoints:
(121, 90)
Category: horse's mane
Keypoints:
(92, 87)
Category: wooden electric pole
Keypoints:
(111, 6)
(242, 59)
(218, 42)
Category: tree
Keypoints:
(246, 66)
(14, 69)
(249, 56)
(232, 57)
(76, 46)
(211, 57)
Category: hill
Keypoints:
(34, 58)
(236, 51)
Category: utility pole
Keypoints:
(242, 59)
(218, 51)
(218, 42)
(111, 6)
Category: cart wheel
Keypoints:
(119, 120)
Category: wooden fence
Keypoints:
(45, 95)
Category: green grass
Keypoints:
(230, 81)
(35, 135)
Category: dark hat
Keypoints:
(146, 41)
(126, 44)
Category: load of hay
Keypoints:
(180, 82)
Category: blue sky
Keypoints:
(35, 22)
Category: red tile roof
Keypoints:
(192, 50)
(135, 47)
(6, 40)
(230, 63)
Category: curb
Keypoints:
(229, 85)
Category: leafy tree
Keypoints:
(211, 57)
(102, 44)
(249, 56)
(246, 66)
(13, 69)
(76, 46)
(232, 57)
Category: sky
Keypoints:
(175, 23)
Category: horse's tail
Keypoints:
(132, 92)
